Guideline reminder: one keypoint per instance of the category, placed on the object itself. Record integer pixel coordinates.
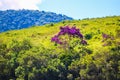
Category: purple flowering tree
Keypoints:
(69, 37)
(108, 40)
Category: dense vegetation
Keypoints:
(18, 19)
(36, 53)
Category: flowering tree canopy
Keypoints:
(72, 32)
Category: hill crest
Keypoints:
(19, 19)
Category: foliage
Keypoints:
(71, 32)
(88, 36)
(29, 54)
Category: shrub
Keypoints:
(88, 36)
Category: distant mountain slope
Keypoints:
(18, 19)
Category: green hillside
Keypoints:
(29, 54)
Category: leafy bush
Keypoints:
(88, 36)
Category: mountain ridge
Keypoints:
(18, 19)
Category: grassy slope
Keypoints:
(43, 34)
(42, 60)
